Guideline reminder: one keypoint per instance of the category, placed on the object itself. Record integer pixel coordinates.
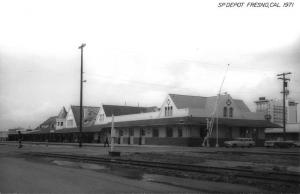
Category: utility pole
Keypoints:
(81, 81)
(285, 80)
(217, 122)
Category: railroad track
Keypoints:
(281, 177)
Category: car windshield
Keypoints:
(238, 139)
(242, 139)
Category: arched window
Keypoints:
(166, 114)
(225, 111)
(171, 111)
(230, 112)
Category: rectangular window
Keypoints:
(155, 132)
(61, 123)
(169, 132)
(179, 132)
(121, 132)
(230, 112)
(142, 132)
(131, 132)
(225, 112)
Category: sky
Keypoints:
(138, 51)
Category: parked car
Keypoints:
(296, 143)
(240, 142)
(269, 144)
(281, 144)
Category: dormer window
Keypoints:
(101, 117)
(168, 111)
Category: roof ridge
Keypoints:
(128, 106)
(188, 95)
(86, 106)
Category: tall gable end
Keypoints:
(62, 114)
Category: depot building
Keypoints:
(180, 120)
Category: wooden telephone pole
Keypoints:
(81, 81)
(284, 92)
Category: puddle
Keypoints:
(79, 165)
(128, 173)
(92, 166)
(201, 186)
(65, 163)
(119, 171)
(293, 169)
(249, 165)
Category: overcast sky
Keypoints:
(138, 52)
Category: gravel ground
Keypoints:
(261, 159)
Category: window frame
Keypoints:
(180, 132)
(169, 132)
(155, 132)
(225, 111)
(231, 112)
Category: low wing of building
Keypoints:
(124, 113)
(47, 126)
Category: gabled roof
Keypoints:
(126, 110)
(185, 101)
(49, 121)
(62, 114)
(47, 125)
(200, 102)
(89, 114)
(242, 106)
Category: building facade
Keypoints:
(273, 110)
(180, 120)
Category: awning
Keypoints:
(174, 121)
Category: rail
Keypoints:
(283, 177)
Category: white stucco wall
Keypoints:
(105, 119)
(58, 127)
(70, 117)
